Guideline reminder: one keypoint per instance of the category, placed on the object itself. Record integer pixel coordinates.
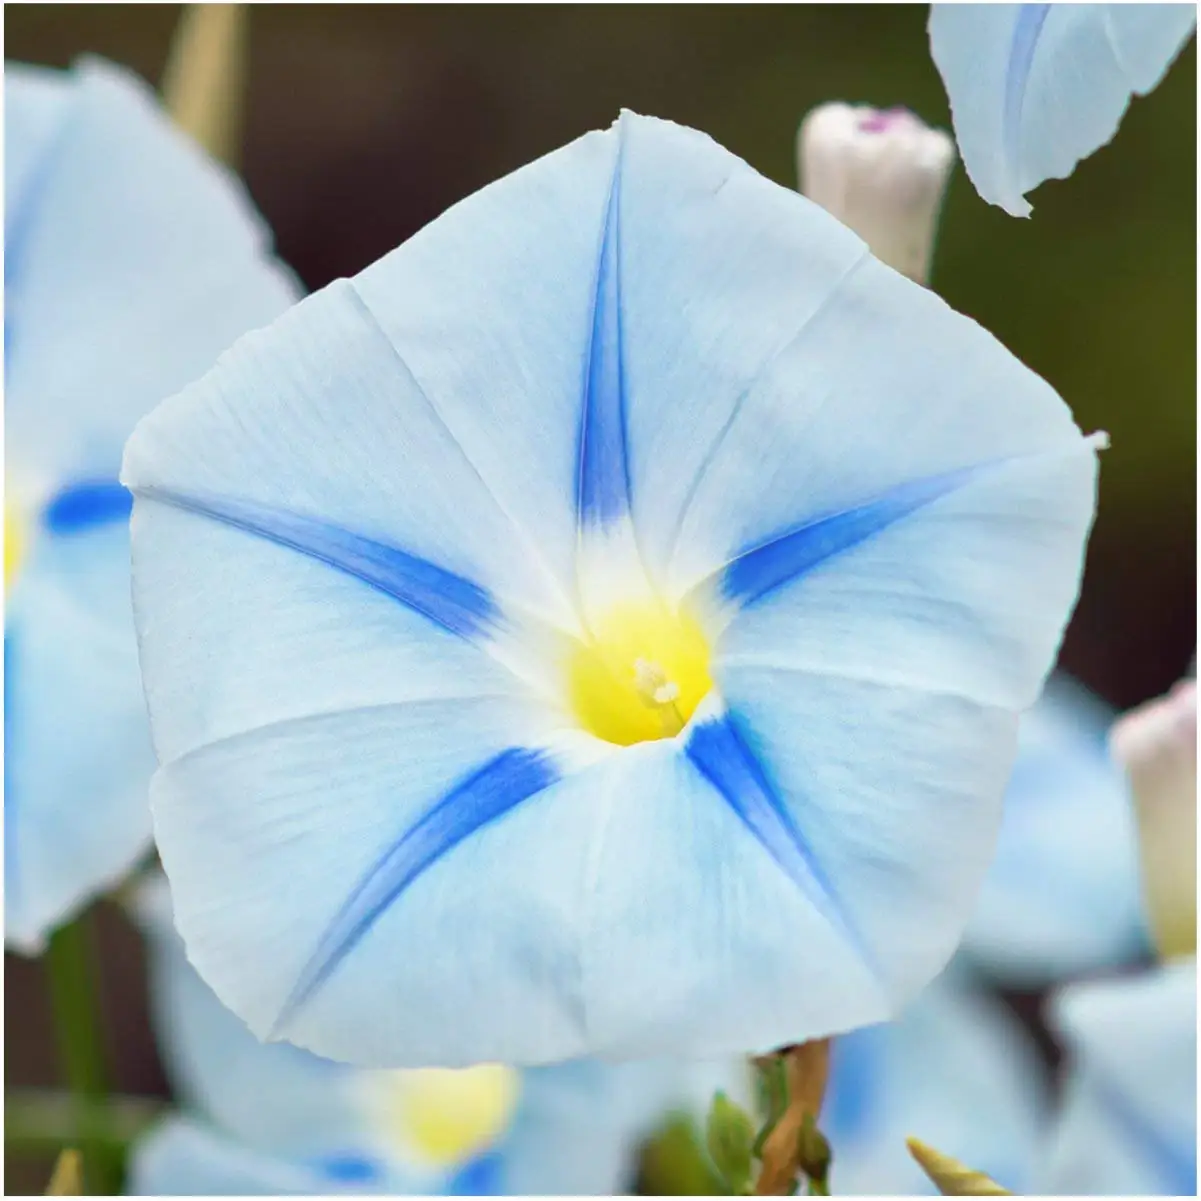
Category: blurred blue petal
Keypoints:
(280, 1119)
(131, 261)
(181, 1157)
(1062, 896)
(1035, 88)
(77, 756)
(1128, 1120)
(956, 1069)
(636, 339)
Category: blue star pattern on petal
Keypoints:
(628, 582)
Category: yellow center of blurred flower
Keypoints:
(14, 543)
(641, 675)
(449, 1116)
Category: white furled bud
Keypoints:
(880, 172)
(1157, 745)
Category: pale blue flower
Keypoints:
(268, 1118)
(1062, 896)
(599, 627)
(1129, 1113)
(1035, 88)
(130, 262)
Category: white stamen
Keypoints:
(651, 681)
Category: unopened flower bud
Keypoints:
(880, 172)
(1157, 745)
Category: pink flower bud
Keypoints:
(880, 172)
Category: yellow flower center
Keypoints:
(449, 1116)
(14, 543)
(641, 675)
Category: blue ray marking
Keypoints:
(86, 504)
(756, 572)
(482, 1176)
(491, 791)
(348, 1168)
(1026, 31)
(449, 600)
(721, 755)
(603, 461)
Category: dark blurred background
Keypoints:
(363, 123)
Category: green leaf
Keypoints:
(729, 1135)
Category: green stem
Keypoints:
(43, 1121)
(69, 967)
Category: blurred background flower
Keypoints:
(130, 261)
(266, 1118)
(957, 1069)
(1128, 1122)
(1128, 1118)
(1062, 895)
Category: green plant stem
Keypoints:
(72, 999)
(43, 1121)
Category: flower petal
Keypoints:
(318, 417)
(709, 297)
(934, 633)
(35, 103)
(242, 824)
(897, 790)
(575, 1131)
(181, 1157)
(883, 392)
(298, 639)
(492, 309)
(696, 934)
(956, 1066)
(272, 1096)
(131, 237)
(1035, 88)
(1129, 1120)
(1062, 895)
(76, 815)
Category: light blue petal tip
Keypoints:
(1036, 88)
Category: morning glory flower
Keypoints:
(1035, 88)
(262, 1118)
(131, 261)
(1129, 1114)
(1062, 896)
(599, 627)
